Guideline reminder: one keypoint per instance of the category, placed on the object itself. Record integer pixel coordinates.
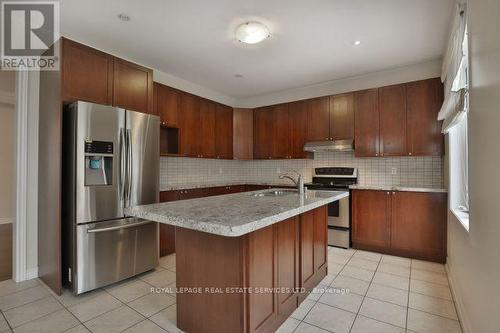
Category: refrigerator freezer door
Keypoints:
(111, 251)
(98, 161)
(143, 155)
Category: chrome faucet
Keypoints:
(299, 183)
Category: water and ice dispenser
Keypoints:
(98, 163)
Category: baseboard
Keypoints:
(462, 314)
(31, 273)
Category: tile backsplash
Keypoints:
(402, 171)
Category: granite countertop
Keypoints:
(397, 188)
(187, 186)
(234, 214)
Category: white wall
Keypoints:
(474, 257)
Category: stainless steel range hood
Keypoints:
(335, 145)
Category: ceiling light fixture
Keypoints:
(123, 17)
(356, 43)
(252, 32)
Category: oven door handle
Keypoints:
(119, 227)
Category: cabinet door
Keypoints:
(243, 134)
(224, 132)
(371, 219)
(281, 142)
(342, 117)
(318, 119)
(167, 105)
(320, 237)
(263, 133)
(288, 264)
(366, 119)
(132, 86)
(167, 232)
(306, 247)
(87, 74)
(297, 112)
(392, 109)
(207, 128)
(424, 99)
(419, 224)
(189, 120)
(262, 267)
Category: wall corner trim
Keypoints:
(461, 312)
(19, 239)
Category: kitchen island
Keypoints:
(245, 261)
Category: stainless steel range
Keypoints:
(339, 221)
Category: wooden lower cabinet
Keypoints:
(410, 224)
(313, 247)
(271, 257)
(371, 218)
(419, 224)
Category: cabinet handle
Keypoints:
(409, 154)
(393, 193)
(376, 154)
(388, 193)
(382, 154)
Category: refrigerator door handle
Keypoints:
(122, 168)
(129, 166)
(119, 227)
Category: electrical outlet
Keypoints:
(394, 171)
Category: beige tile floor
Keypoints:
(364, 292)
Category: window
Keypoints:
(458, 161)
(458, 142)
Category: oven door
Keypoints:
(338, 213)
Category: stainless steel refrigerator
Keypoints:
(110, 162)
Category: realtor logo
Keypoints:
(29, 32)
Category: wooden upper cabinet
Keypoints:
(280, 122)
(243, 134)
(371, 218)
(132, 86)
(207, 128)
(87, 74)
(223, 132)
(167, 102)
(342, 116)
(419, 224)
(366, 119)
(189, 124)
(318, 116)
(392, 109)
(263, 133)
(424, 100)
(297, 113)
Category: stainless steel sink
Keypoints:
(275, 193)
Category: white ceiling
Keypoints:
(311, 39)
